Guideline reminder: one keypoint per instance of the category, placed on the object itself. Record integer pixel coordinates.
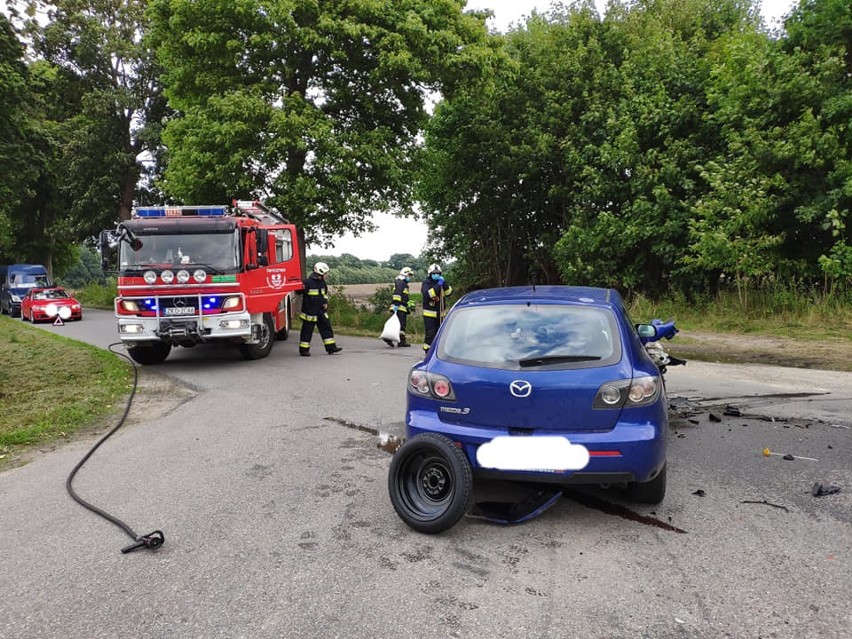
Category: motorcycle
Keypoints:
(665, 330)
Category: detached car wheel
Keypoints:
(430, 483)
(649, 492)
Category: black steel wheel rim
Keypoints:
(426, 485)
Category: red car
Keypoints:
(48, 304)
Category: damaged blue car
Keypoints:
(544, 384)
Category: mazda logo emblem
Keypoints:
(520, 388)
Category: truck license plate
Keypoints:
(180, 310)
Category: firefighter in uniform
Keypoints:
(402, 306)
(434, 290)
(314, 312)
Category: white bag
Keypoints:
(391, 329)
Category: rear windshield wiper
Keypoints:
(555, 359)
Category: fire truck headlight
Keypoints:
(231, 303)
(199, 276)
(130, 305)
(131, 328)
(150, 277)
(183, 277)
(234, 324)
(168, 277)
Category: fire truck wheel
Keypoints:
(284, 333)
(264, 344)
(154, 354)
(430, 483)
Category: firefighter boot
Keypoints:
(305, 352)
(390, 343)
(332, 349)
(402, 342)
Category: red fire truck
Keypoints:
(194, 274)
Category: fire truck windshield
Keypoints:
(216, 251)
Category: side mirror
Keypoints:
(103, 249)
(646, 331)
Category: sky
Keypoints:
(395, 235)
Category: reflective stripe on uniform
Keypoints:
(304, 344)
(430, 313)
(308, 318)
(328, 342)
(314, 292)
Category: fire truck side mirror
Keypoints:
(103, 249)
(262, 247)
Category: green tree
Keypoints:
(779, 195)
(111, 78)
(314, 106)
(15, 150)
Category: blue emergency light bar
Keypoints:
(181, 211)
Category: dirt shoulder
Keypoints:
(825, 354)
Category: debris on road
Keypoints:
(766, 503)
(820, 489)
(768, 453)
(700, 492)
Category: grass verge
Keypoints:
(51, 386)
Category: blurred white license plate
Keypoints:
(180, 310)
(543, 454)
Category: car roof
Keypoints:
(548, 294)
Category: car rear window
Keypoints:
(518, 336)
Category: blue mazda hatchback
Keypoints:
(546, 384)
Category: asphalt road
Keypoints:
(277, 521)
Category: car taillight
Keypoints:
(626, 393)
(431, 385)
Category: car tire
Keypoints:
(430, 483)
(648, 492)
(284, 333)
(146, 355)
(265, 344)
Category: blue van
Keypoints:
(16, 280)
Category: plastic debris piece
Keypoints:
(768, 453)
(820, 489)
(732, 411)
(515, 513)
(700, 492)
(715, 418)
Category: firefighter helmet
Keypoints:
(321, 268)
(434, 268)
(406, 271)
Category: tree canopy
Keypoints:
(314, 106)
(663, 145)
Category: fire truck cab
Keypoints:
(195, 274)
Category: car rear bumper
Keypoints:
(632, 451)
